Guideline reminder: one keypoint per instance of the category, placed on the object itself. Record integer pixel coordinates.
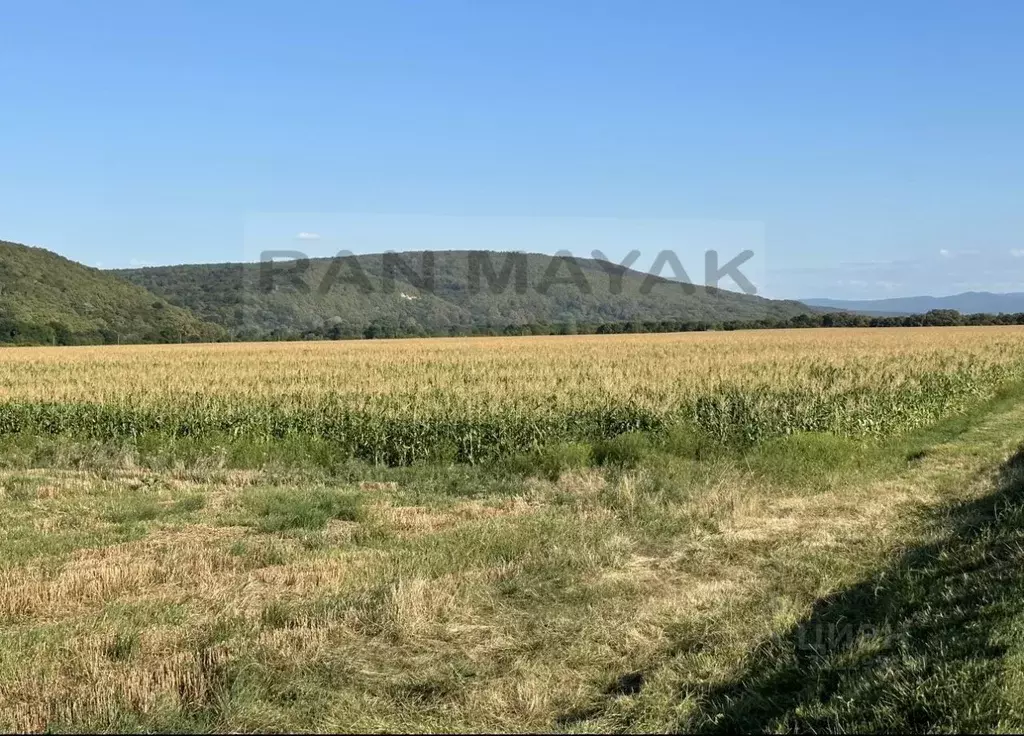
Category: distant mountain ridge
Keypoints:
(46, 298)
(359, 295)
(969, 302)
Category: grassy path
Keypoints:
(933, 639)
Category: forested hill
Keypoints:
(442, 292)
(45, 298)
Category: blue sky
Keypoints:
(879, 145)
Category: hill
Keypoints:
(46, 298)
(970, 302)
(442, 292)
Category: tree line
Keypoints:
(15, 332)
(19, 332)
(392, 328)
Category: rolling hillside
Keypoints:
(45, 298)
(355, 295)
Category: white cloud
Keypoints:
(308, 236)
(970, 253)
(1017, 252)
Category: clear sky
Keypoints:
(880, 144)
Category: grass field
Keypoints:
(813, 530)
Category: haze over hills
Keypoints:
(46, 298)
(450, 291)
(970, 302)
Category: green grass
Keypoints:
(141, 509)
(278, 509)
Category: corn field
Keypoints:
(472, 399)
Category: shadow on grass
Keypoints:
(919, 647)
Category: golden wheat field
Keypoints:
(657, 369)
(472, 399)
(593, 533)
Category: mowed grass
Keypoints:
(647, 580)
